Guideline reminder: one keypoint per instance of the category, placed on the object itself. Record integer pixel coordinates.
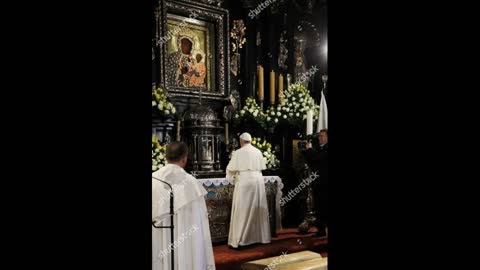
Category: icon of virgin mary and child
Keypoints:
(188, 65)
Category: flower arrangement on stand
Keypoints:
(251, 112)
(293, 108)
(158, 154)
(160, 101)
(265, 147)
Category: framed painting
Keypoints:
(193, 49)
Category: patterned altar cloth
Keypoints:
(219, 204)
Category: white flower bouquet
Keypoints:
(250, 112)
(271, 159)
(159, 101)
(293, 107)
(158, 154)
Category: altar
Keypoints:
(219, 204)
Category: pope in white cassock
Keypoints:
(249, 221)
(192, 246)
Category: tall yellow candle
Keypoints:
(260, 83)
(272, 87)
(280, 87)
(226, 133)
(178, 130)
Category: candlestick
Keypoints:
(309, 122)
(178, 130)
(324, 79)
(280, 87)
(226, 134)
(260, 83)
(272, 87)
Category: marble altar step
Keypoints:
(304, 260)
(314, 264)
(288, 240)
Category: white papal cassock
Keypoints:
(192, 246)
(249, 221)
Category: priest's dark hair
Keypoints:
(176, 151)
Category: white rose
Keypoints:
(293, 98)
(276, 120)
(298, 114)
(290, 114)
(154, 162)
(279, 114)
(287, 109)
(255, 113)
(251, 111)
(236, 115)
(173, 109)
(301, 100)
(242, 112)
(154, 103)
(265, 153)
(154, 168)
(269, 167)
(284, 116)
(167, 111)
(160, 107)
(160, 166)
(160, 156)
(268, 118)
(272, 113)
(280, 108)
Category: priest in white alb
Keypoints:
(249, 221)
(192, 244)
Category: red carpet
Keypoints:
(288, 240)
